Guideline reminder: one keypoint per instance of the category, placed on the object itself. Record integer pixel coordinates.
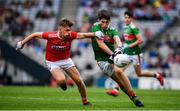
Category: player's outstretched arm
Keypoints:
(81, 35)
(97, 34)
(20, 44)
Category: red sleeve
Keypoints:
(73, 35)
(45, 35)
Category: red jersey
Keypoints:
(56, 48)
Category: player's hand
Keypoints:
(119, 50)
(19, 45)
(99, 34)
(116, 51)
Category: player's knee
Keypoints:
(119, 71)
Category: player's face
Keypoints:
(104, 23)
(127, 19)
(64, 32)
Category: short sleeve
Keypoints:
(73, 35)
(136, 31)
(115, 32)
(94, 29)
(45, 35)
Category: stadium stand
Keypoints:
(22, 17)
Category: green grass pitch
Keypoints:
(47, 98)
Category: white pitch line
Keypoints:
(32, 98)
(50, 99)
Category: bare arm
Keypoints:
(138, 41)
(97, 34)
(30, 37)
(117, 41)
(103, 46)
(85, 35)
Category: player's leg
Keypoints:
(121, 79)
(147, 73)
(118, 80)
(134, 98)
(75, 75)
(118, 75)
(59, 76)
(137, 60)
(125, 85)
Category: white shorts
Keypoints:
(63, 64)
(136, 59)
(106, 67)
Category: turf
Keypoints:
(47, 98)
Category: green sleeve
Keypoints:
(94, 28)
(136, 31)
(115, 32)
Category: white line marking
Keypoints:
(52, 99)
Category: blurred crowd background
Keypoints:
(158, 21)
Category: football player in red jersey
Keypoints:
(58, 54)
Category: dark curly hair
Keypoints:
(129, 13)
(104, 14)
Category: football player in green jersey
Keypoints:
(104, 48)
(133, 39)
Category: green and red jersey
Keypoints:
(109, 33)
(129, 33)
